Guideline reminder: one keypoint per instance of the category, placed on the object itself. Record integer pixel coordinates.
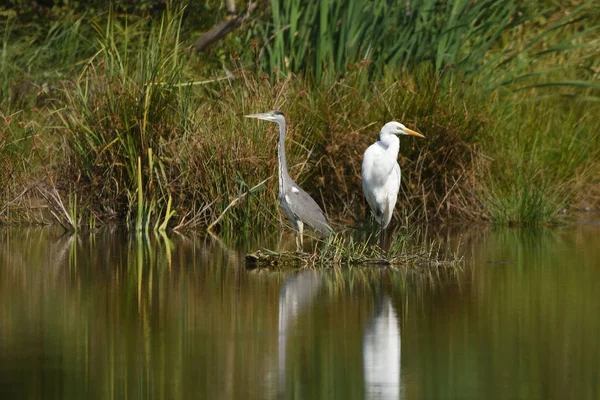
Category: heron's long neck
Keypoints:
(283, 168)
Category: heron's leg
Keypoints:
(300, 244)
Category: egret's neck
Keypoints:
(283, 168)
(391, 142)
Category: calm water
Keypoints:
(111, 316)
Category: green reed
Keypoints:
(123, 109)
(483, 38)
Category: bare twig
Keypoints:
(58, 210)
(234, 202)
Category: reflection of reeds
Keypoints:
(532, 312)
(125, 315)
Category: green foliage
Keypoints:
(545, 154)
(27, 54)
(321, 37)
(125, 106)
(41, 9)
(326, 35)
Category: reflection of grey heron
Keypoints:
(381, 172)
(298, 206)
(297, 293)
(381, 352)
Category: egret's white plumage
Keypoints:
(381, 172)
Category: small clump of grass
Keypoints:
(345, 251)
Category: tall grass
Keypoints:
(125, 106)
(388, 33)
(321, 37)
(36, 57)
(545, 153)
(199, 152)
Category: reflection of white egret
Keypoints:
(297, 293)
(381, 352)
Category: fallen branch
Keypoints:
(223, 28)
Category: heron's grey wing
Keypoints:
(307, 210)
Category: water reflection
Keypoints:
(296, 294)
(380, 340)
(381, 351)
(118, 316)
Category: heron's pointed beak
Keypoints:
(257, 116)
(413, 133)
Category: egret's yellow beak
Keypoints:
(258, 116)
(411, 132)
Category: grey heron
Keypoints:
(381, 173)
(297, 205)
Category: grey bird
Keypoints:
(298, 206)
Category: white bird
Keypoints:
(381, 173)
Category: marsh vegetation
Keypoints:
(108, 116)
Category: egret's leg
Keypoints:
(382, 234)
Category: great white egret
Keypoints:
(298, 206)
(381, 173)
